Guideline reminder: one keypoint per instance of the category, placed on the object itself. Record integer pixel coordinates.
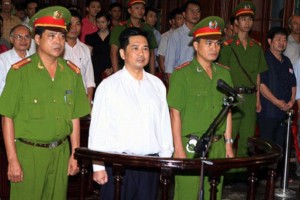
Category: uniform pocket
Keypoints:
(36, 107)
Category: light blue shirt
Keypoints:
(296, 67)
(179, 48)
(162, 48)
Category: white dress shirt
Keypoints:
(80, 55)
(292, 50)
(6, 60)
(131, 116)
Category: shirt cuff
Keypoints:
(98, 167)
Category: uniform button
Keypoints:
(35, 101)
(57, 118)
(54, 101)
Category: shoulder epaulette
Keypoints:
(223, 66)
(21, 63)
(73, 67)
(257, 42)
(182, 65)
(227, 42)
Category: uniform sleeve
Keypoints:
(262, 62)
(224, 57)
(82, 105)
(151, 38)
(115, 33)
(10, 97)
(176, 95)
(99, 122)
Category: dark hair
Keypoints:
(1, 18)
(173, 13)
(11, 32)
(88, 2)
(103, 14)
(276, 31)
(148, 9)
(75, 12)
(129, 32)
(187, 3)
(114, 5)
(20, 6)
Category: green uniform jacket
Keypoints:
(42, 108)
(252, 59)
(116, 31)
(196, 97)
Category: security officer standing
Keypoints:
(41, 104)
(194, 102)
(246, 60)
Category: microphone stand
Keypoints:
(203, 144)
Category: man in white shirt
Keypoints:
(293, 47)
(79, 53)
(130, 115)
(20, 37)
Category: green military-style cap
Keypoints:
(244, 8)
(51, 17)
(208, 28)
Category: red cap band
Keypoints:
(49, 21)
(207, 31)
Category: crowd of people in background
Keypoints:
(117, 58)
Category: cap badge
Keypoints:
(213, 24)
(57, 15)
(247, 7)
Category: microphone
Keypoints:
(227, 88)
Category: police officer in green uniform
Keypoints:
(246, 60)
(136, 9)
(194, 103)
(41, 104)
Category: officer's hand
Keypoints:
(229, 150)
(73, 168)
(100, 177)
(15, 172)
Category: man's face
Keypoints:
(278, 43)
(207, 49)
(31, 9)
(21, 39)
(75, 28)
(136, 54)
(94, 8)
(116, 13)
(179, 20)
(295, 25)
(137, 10)
(6, 6)
(192, 14)
(151, 18)
(51, 43)
(244, 23)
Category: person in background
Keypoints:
(93, 7)
(99, 43)
(277, 97)
(131, 116)
(31, 9)
(20, 11)
(20, 37)
(4, 44)
(41, 104)
(115, 12)
(246, 59)
(136, 9)
(175, 20)
(151, 19)
(9, 20)
(193, 92)
(179, 49)
(79, 53)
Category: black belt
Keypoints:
(50, 145)
(215, 138)
(245, 90)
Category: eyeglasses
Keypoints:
(22, 37)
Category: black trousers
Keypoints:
(273, 130)
(136, 185)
